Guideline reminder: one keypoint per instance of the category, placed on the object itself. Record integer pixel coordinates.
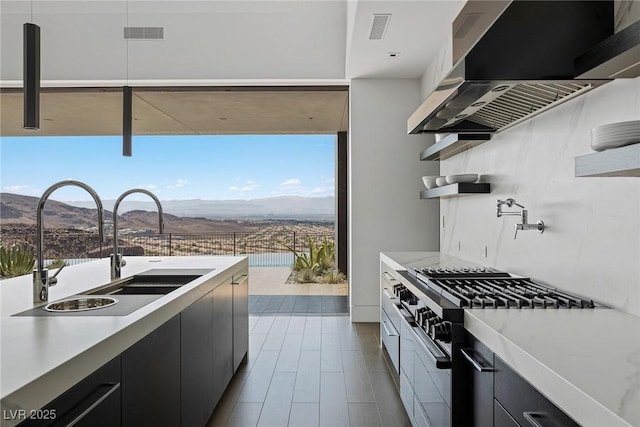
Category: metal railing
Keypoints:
(264, 249)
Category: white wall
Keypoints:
(592, 242)
(385, 211)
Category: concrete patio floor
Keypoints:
(272, 281)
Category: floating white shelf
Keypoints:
(454, 190)
(623, 161)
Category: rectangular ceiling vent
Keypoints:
(144, 33)
(379, 25)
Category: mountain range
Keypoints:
(180, 216)
(273, 207)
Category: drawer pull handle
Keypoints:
(240, 280)
(534, 418)
(111, 388)
(388, 293)
(386, 329)
(388, 276)
(478, 367)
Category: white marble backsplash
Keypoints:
(591, 245)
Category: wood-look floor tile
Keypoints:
(329, 325)
(356, 377)
(330, 359)
(392, 412)
(275, 301)
(334, 410)
(307, 387)
(364, 415)
(289, 353)
(312, 334)
(276, 334)
(263, 326)
(277, 405)
(257, 383)
(245, 414)
(304, 415)
(255, 345)
(296, 325)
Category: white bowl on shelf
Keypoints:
(615, 135)
(466, 177)
(430, 181)
(440, 181)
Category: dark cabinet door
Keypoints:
(196, 366)
(151, 378)
(502, 417)
(523, 402)
(240, 319)
(93, 402)
(476, 366)
(222, 338)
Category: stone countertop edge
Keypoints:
(590, 376)
(35, 371)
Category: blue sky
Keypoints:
(216, 167)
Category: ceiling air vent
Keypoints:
(144, 33)
(379, 25)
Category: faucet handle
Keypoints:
(53, 280)
(515, 235)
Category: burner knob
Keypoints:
(441, 331)
(397, 288)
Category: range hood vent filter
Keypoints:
(508, 107)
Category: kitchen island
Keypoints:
(42, 357)
(585, 361)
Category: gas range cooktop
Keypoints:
(484, 287)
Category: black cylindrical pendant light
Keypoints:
(31, 76)
(127, 119)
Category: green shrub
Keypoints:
(17, 260)
(319, 258)
(333, 277)
(306, 276)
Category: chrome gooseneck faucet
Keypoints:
(117, 262)
(523, 214)
(41, 279)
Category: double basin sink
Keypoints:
(153, 282)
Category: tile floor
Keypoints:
(311, 370)
(298, 304)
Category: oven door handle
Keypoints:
(440, 358)
(466, 352)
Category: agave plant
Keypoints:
(319, 259)
(17, 260)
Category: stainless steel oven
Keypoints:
(440, 368)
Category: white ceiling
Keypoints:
(234, 41)
(211, 43)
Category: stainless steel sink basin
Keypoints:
(145, 290)
(81, 304)
(146, 284)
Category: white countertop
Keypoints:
(586, 361)
(41, 357)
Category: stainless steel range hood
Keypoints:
(512, 60)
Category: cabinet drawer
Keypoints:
(406, 393)
(523, 402)
(388, 300)
(501, 417)
(390, 340)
